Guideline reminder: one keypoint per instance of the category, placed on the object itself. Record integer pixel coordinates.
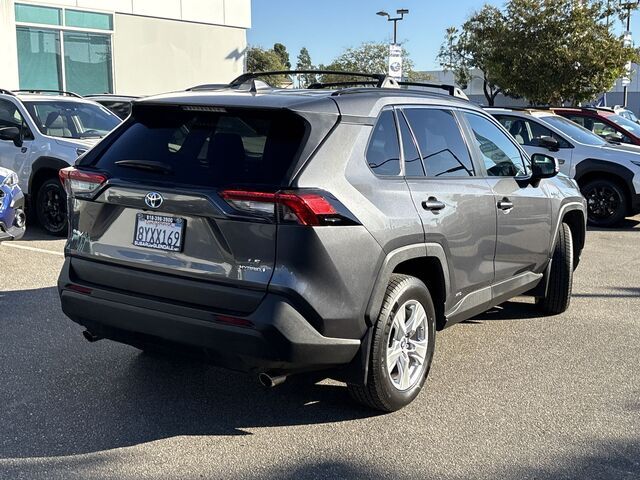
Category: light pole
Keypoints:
(402, 12)
(628, 6)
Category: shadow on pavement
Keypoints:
(35, 233)
(511, 310)
(61, 395)
(626, 225)
(622, 292)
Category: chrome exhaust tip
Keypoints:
(268, 381)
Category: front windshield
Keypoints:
(574, 131)
(628, 125)
(64, 119)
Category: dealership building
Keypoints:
(135, 47)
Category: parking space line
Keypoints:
(32, 249)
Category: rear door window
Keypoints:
(444, 151)
(209, 149)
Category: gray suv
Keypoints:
(280, 231)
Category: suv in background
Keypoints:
(50, 129)
(608, 175)
(279, 231)
(603, 122)
(118, 104)
(625, 113)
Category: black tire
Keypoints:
(606, 203)
(558, 295)
(380, 393)
(51, 207)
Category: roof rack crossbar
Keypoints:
(379, 78)
(354, 83)
(37, 90)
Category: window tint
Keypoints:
(573, 130)
(10, 117)
(501, 157)
(443, 150)
(206, 148)
(412, 161)
(527, 132)
(383, 152)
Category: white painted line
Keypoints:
(32, 249)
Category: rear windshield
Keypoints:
(205, 148)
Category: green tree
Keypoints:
(281, 51)
(304, 63)
(477, 46)
(261, 60)
(369, 57)
(548, 51)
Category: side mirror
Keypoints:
(543, 166)
(549, 142)
(11, 134)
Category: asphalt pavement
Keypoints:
(510, 395)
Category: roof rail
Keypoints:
(208, 86)
(451, 89)
(379, 78)
(61, 92)
(7, 92)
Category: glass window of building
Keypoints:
(73, 52)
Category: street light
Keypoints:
(402, 12)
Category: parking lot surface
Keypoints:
(510, 395)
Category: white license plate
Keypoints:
(159, 232)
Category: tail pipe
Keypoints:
(90, 336)
(269, 381)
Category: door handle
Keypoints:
(23, 150)
(561, 161)
(505, 204)
(433, 204)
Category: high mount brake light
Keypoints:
(302, 207)
(79, 182)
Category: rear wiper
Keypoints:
(146, 165)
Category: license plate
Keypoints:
(159, 232)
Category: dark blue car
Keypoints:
(12, 216)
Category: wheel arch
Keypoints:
(44, 168)
(425, 261)
(594, 169)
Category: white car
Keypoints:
(608, 175)
(42, 132)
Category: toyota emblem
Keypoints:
(153, 199)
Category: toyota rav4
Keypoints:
(279, 231)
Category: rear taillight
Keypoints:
(77, 182)
(304, 208)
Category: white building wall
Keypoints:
(232, 13)
(8, 47)
(154, 55)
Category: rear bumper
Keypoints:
(274, 338)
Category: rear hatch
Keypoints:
(186, 193)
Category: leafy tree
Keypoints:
(261, 60)
(369, 57)
(548, 51)
(281, 51)
(304, 63)
(478, 45)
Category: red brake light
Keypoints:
(78, 182)
(304, 208)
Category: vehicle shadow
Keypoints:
(35, 233)
(64, 396)
(629, 224)
(511, 310)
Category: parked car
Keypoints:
(48, 131)
(604, 123)
(608, 175)
(118, 104)
(12, 217)
(626, 113)
(280, 231)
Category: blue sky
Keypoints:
(327, 27)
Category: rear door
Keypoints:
(455, 205)
(163, 208)
(523, 210)
(13, 157)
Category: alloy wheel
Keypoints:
(603, 202)
(407, 345)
